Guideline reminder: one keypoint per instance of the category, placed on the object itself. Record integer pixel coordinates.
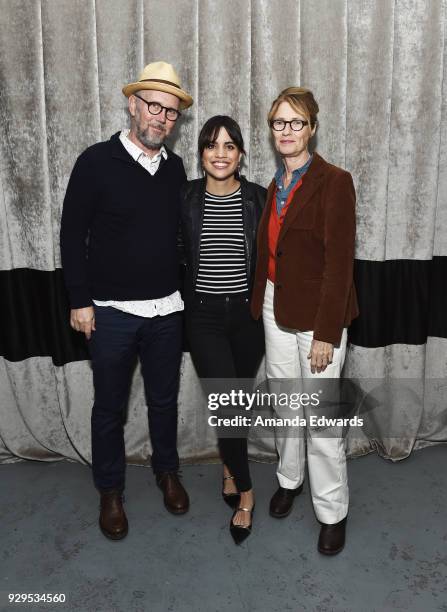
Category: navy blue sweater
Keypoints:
(119, 226)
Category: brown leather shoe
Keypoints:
(282, 501)
(112, 518)
(332, 538)
(174, 495)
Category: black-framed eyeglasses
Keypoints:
(155, 108)
(296, 124)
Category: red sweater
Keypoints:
(275, 224)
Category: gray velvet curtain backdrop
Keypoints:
(377, 69)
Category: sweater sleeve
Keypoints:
(184, 178)
(77, 212)
(339, 243)
(180, 238)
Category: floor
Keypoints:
(395, 556)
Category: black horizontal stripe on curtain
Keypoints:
(437, 318)
(35, 317)
(400, 301)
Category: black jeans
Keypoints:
(114, 347)
(226, 342)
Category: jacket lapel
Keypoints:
(247, 217)
(197, 210)
(264, 221)
(303, 195)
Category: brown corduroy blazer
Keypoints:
(314, 286)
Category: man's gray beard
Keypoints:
(154, 144)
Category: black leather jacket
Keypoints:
(192, 207)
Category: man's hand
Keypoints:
(320, 355)
(83, 320)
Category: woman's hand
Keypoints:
(320, 355)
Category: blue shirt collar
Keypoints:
(296, 174)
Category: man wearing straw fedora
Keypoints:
(118, 246)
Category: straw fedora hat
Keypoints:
(161, 77)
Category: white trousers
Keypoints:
(286, 357)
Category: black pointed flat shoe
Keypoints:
(232, 499)
(241, 532)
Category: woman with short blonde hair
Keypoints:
(304, 290)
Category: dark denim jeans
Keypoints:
(120, 338)
(226, 342)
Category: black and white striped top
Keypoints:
(222, 267)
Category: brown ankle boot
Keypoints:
(175, 497)
(112, 519)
